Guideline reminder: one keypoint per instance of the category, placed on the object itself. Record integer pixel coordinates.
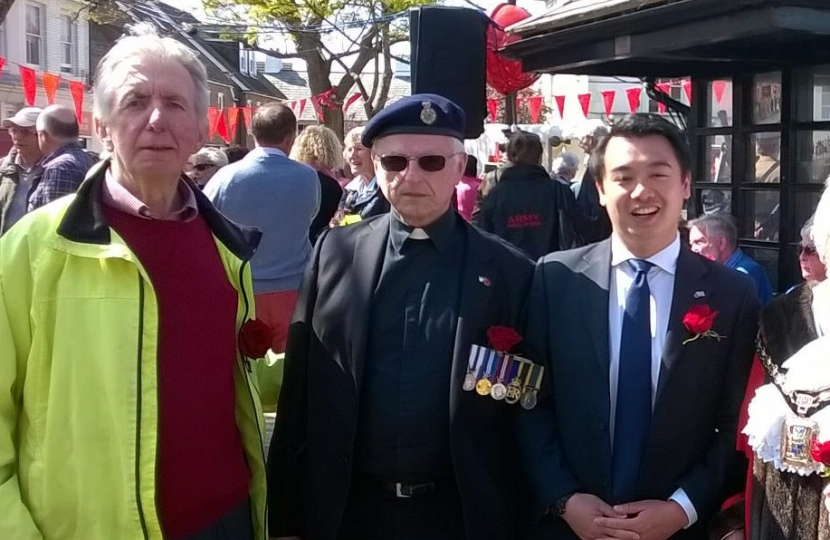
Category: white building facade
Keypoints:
(47, 36)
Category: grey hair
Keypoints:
(807, 231)
(719, 224)
(143, 42)
(353, 136)
(213, 155)
(565, 164)
(821, 225)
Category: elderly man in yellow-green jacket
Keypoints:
(128, 404)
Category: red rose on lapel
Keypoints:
(255, 338)
(821, 452)
(699, 319)
(503, 338)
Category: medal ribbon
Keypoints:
(477, 354)
(505, 364)
(519, 369)
(493, 355)
(515, 367)
(529, 375)
(537, 376)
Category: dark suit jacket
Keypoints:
(566, 440)
(310, 461)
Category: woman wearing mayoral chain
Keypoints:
(787, 430)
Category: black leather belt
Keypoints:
(405, 490)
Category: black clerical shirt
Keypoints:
(403, 427)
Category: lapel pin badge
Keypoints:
(484, 280)
(700, 294)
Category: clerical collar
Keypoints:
(439, 231)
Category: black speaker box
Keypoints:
(448, 58)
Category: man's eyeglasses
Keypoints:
(201, 167)
(428, 163)
(806, 250)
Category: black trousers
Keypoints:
(372, 515)
(235, 525)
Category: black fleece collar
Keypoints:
(84, 221)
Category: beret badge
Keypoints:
(428, 114)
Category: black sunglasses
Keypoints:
(429, 163)
(806, 250)
(203, 166)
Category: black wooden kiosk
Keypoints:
(759, 118)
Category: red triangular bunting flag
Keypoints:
(535, 104)
(213, 116)
(222, 127)
(2, 64)
(585, 102)
(608, 101)
(50, 86)
(560, 104)
(634, 98)
(302, 108)
(76, 88)
(246, 115)
(687, 87)
(233, 120)
(665, 88)
(354, 97)
(719, 87)
(27, 76)
(493, 109)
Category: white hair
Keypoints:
(143, 43)
(353, 136)
(821, 225)
(212, 155)
(565, 164)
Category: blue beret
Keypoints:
(428, 114)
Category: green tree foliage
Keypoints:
(367, 26)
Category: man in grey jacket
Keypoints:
(15, 181)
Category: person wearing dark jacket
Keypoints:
(527, 208)
(597, 225)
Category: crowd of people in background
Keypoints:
(139, 288)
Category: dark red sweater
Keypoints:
(202, 472)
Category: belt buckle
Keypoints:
(400, 493)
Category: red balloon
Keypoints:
(503, 74)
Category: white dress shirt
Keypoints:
(661, 292)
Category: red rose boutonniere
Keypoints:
(255, 338)
(698, 321)
(821, 454)
(503, 338)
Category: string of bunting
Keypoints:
(633, 96)
(51, 83)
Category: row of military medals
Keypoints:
(488, 373)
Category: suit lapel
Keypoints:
(596, 266)
(367, 263)
(688, 283)
(477, 283)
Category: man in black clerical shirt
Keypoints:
(375, 437)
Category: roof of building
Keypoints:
(220, 57)
(294, 85)
(566, 13)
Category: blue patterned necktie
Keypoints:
(633, 415)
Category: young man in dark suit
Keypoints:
(375, 437)
(648, 348)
